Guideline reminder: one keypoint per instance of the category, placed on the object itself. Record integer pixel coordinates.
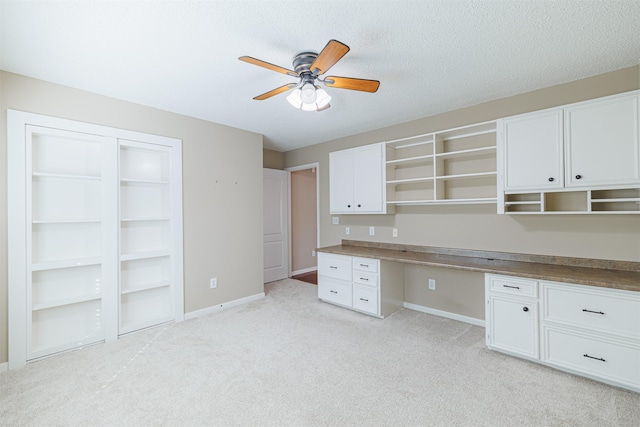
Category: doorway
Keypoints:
(303, 224)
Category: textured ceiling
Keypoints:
(430, 56)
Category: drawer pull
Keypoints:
(589, 311)
(595, 358)
(333, 266)
(334, 292)
(364, 278)
(512, 287)
(364, 299)
(364, 265)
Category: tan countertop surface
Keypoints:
(602, 273)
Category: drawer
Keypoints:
(365, 278)
(604, 310)
(594, 356)
(512, 285)
(365, 298)
(336, 266)
(333, 290)
(365, 264)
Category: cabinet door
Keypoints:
(533, 151)
(341, 172)
(513, 326)
(602, 143)
(368, 179)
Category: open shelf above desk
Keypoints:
(455, 166)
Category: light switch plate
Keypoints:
(347, 231)
(372, 231)
(335, 220)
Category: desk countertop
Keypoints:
(602, 273)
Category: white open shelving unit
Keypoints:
(455, 166)
(145, 236)
(95, 234)
(601, 201)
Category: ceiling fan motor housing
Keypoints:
(302, 62)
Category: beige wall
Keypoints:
(303, 219)
(272, 159)
(478, 226)
(222, 187)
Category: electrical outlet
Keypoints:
(432, 284)
(213, 283)
(347, 231)
(372, 231)
(335, 220)
(395, 232)
(313, 253)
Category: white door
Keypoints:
(275, 214)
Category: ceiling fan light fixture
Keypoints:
(309, 107)
(308, 93)
(323, 98)
(295, 99)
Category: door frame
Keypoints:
(315, 165)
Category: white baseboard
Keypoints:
(448, 315)
(216, 308)
(304, 270)
(4, 367)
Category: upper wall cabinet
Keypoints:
(533, 151)
(601, 142)
(357, 180)
(579, 158)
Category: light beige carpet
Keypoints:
(290, 360)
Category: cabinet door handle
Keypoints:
(334, 292)
(348, 206)
(551, 179)
(359, 206)
(333, 266)
(512, 287)
(364, 278)
(525, 309)
(590, 311)
(578, 176)
(364, 299)
(595, 358)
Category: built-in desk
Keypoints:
(578, 315)
(601, 273)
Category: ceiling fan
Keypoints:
(309, 66)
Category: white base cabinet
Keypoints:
(512, 314)
(585, 330)
(592, 331)
(366, 285)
